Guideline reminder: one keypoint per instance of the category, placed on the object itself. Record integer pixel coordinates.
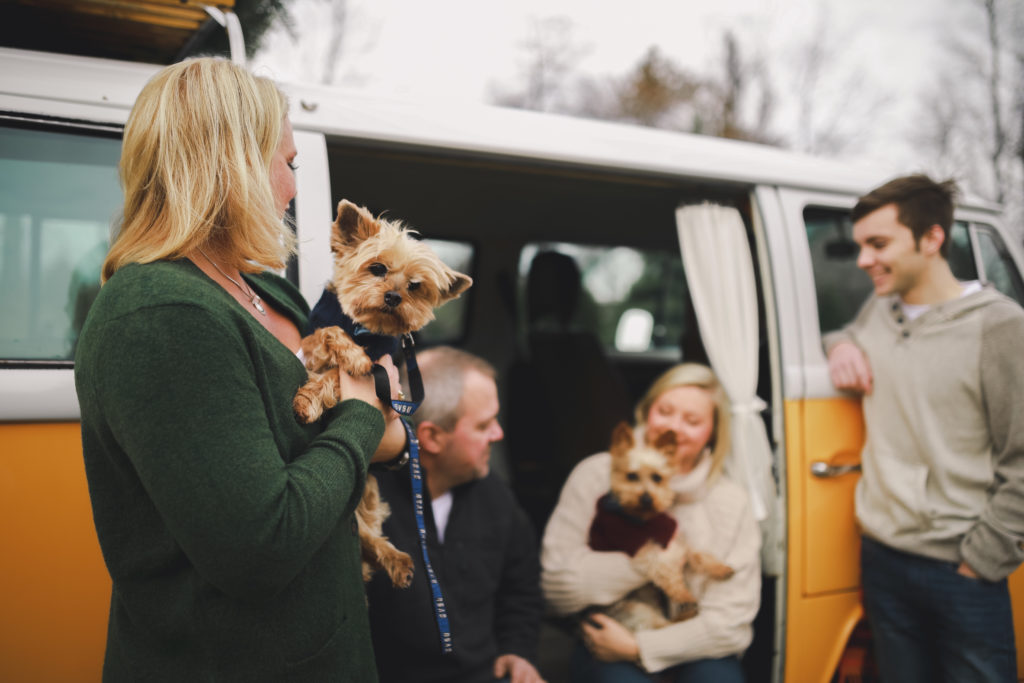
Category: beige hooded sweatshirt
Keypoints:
(943, 463)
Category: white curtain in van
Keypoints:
(720, 274)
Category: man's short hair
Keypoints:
(920, 203)
(444, 371)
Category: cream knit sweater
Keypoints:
(713, 517)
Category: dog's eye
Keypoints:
(632, 476)
(378, 269)
(413, 286)
(656, 478)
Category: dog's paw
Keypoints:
(705, 563)
(647, 557)
(306, 407)
(685, 610)
(355, 362)
(721, 573)
(677, 590)
(400, 570)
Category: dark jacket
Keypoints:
(489, 570)
(225, 524)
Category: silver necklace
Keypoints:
(254, 298)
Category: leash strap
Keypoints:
(382, 384)
(416, 472)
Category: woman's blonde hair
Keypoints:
(694, 375)
(195, 169)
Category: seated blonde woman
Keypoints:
(713, 516)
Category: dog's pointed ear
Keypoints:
(458, 283)
(666, 443)
(354, 224)
(622, 440)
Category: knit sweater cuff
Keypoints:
(660, 648)
(992, 553)
(833, 339)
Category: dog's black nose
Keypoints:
(392, 299)
(646, 500)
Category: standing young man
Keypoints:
(941, 499)
(480, 541)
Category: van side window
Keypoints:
(58, 197)
(841, 287)
(1000, 269)
(634, 301)
(961, 255)
(451, 319)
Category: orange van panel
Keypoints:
(54, 587)
(1017, 596)
(834, 433)
(823, 594)
(822, 598)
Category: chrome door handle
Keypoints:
(823, 470)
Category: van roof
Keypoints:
(155, 31)
(60, 83)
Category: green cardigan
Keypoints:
(227, 526)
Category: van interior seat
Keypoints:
(564, 396)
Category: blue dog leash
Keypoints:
(405, 408)
(416, 472)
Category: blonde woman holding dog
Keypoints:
(226, 525)
(713, 516)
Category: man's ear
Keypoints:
(931, 241)
(430, 436)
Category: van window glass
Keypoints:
(58, 197)
(449, 323)
(1000, 269)
(961, 255)
(633, 300)
(841, 287)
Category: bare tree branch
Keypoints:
(336, 39)
(994, 85)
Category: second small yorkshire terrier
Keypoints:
(386, 284)
(633, 517)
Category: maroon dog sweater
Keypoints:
(615, 530)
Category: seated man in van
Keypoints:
(939, 502)
(481, 543)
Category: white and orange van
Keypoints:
(662, 273)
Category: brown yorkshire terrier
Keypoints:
(633, 518)
(385, 284)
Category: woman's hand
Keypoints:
(364, 389)
(394, 438)
(609, 641)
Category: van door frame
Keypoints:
(818, 624)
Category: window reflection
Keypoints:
(998, 264)
(603, 290)
(58, 198)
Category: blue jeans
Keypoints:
(931, 624)
(583, 668)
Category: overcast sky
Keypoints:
(883, 51)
